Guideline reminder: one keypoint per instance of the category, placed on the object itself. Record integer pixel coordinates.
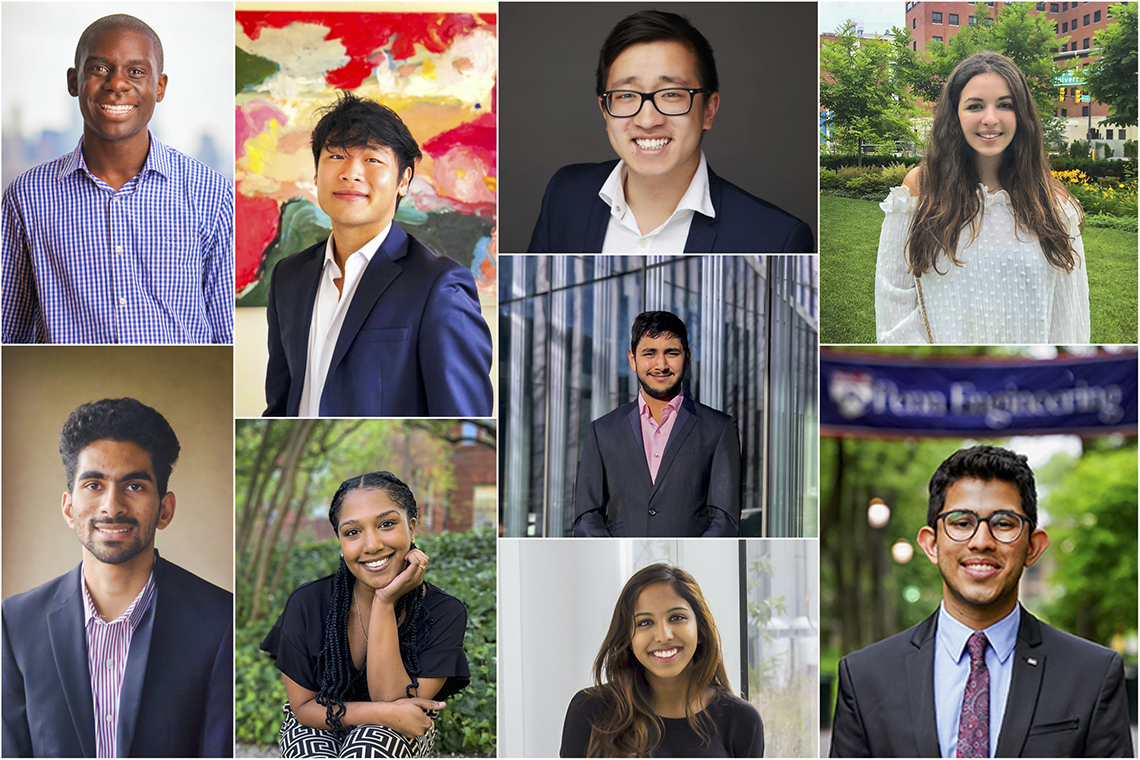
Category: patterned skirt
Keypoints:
(362, 741)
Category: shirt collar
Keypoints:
(697, 197)
(670, 408)
(158, 159)
(367, 251)
(1002, 635)
(135, 611)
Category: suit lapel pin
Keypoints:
(1031, 661)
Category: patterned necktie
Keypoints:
(974, 722)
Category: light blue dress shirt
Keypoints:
(952, 670)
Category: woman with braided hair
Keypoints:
(370, 653)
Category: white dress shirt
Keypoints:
(624, 236)
(328, 317)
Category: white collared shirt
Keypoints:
(328, 317)
(624, 236)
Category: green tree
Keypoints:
(859, 87)
(1092, 505)
(1111, 79)
(1019, 33)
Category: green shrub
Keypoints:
(894, 174)
(1125, 224)
(829, 180)
(1130, 149)
(462, 564)
(1096, 170)
(1079, 149)
(1106, 150)
(838, 160)
(850, 172)
(868, 184)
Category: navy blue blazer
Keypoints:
(574, 218)
(185, 686)
(1066, 697)
(413, 343)
(697, 491)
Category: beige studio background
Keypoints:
(192, 386)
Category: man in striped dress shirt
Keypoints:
(123, 240)
(127, 655)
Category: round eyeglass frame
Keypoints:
(693, 92)
(1022, 520)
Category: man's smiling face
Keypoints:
(117, 84)
(654, 145)
(980, 575)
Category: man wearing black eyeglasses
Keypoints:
(658, 93)
(982, 677)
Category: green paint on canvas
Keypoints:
(251, 70)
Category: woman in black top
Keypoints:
(660, 688)
(370, 653)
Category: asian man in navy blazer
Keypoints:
(127, 655)
(663, 465)
(658, 92)
(982, 677)
(370, 323)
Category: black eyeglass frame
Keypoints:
(693, 92)
(979, 520)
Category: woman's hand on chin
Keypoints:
(408, 717)
(409, 578)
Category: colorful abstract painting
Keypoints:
(436, 70)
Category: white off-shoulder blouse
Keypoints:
(1005, 291)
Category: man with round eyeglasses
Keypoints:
(658, 93)
(982, 677)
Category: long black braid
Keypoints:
(335, 661)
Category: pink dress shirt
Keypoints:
(107, 647)
(655, 436)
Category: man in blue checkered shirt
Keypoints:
(123, 240)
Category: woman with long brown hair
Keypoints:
(982, 245)
(660, 688)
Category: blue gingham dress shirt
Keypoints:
(152, 262)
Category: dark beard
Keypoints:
(668, 394)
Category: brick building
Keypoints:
(939, 22)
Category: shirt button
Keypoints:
(642, 243)
(653, 513)
(618, 208)
(110, 663)
(118, 249)
(109, 719)
(656, 455)
(122, 302)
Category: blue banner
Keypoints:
(965, 397)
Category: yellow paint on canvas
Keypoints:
(262, 145)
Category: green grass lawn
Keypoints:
(849, 240)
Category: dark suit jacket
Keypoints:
(186, 707)
(697, 492)
(574, 218)
(413, 343)
(1066, 698)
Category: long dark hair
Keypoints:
(948, 194)
(628, 725)
(335, 659)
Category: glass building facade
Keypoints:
(564, 327)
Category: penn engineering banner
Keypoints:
(892, 396)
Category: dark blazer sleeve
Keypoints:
(590, 493)
(848, 738)
(1109, 731)
(277, 378)
(17, 738)
(800, 240)
(724, 485)
(455, 349)
(540, 237)
(218, 729)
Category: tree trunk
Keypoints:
(256, 490)
(298, 438)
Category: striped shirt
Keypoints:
(151, 262)
(107, 647)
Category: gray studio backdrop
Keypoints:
(765, 138)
